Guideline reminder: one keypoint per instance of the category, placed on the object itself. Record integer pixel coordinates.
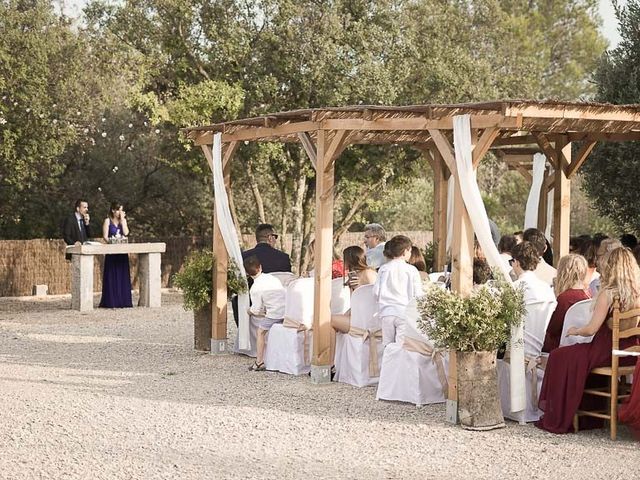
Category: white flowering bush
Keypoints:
(480, 322)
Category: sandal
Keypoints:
(257, 367)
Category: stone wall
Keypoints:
(25, 263)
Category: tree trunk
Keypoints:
(257, 196)
(297, 215)
(478, 396)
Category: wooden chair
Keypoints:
(624, 325)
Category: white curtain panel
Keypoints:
(480, 221)
(533, 202)
(451, 184)
(230, 238)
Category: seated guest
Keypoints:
(544, 271)
(567, 372)
(271, 259)
(629, 240)
(547, 256)
(397, 285)
(589, 251)
(481, 272)
(374, 238)
(570, 289)
(505, 245)
(636, 253)
(607, 245)
(417, 260)
(358, 274)
(337, 266)
(524, 263)
(267, 305)
(518, 236)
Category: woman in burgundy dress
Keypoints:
(116, 282)
(629, 413)
(570, 289)
(568, 368)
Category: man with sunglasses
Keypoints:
(271, 259)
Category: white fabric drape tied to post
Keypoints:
(533, 202)
(480, 221)
(230, 238)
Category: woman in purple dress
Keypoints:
(116, 282)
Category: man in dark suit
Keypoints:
(272, 259)
(76, 228)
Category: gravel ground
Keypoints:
(123, 395)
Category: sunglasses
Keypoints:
(274, 235)
(511, 260)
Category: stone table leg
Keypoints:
(149, 278)
(82, 283)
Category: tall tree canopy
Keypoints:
(611, 172)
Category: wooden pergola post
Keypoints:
(440, 194)
(561, 200)
(327, 150)
(219, 294)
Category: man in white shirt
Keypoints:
(543, 270)
(267, 305)
(374, 239)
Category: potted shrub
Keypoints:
(474, 327)
(195, 279)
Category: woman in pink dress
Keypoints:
(629, 413)
(568, 368)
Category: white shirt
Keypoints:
(375, 256)
(267, 297)
(535, 290)
(545, 272)
(397, 285)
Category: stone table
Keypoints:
(149, 273)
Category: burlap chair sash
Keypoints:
(300, 327)
(437, 357)
(374, 336)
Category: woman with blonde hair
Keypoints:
(569, 289)
(568, 368)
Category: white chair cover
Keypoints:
(355, 363)
(285, 277)
(535, 325)
(410, 376)
(340, 296)
(578, 315)
(289, 344)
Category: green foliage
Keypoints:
(195, 278)
(480, 322)
(429, 253)
(610, 172)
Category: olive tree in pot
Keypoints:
(474, 327)
(195, 279)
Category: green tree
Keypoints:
(611, 171)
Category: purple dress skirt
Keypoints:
(116, 282)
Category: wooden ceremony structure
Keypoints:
(514, 130)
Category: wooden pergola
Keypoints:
(513, 130)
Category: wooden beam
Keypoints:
(483, 144)
(524, 172)
(547, 149)
(219, 294)
(309, 147)
(580, 157)
(444, 147)
(241, 133)
(440, 192)
(335, 148)
(606, 137)
(228, 150)
(514, 140)
(420, 123)
(321, 362)
(561, 206)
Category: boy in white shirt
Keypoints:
(267, 305)
(397, 285)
